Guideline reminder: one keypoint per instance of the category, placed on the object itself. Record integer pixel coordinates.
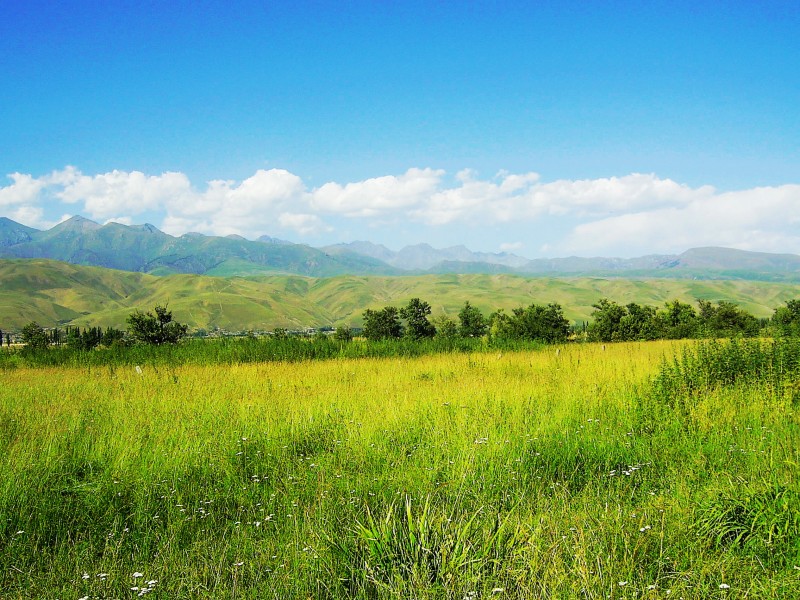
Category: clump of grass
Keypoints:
(760, 519)
(714, 364)
(411, 547)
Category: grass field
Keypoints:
(550, 474)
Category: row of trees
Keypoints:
(154, 328)
(544, 323)
(611, 322)
(677, 320)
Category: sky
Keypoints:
(545, 129)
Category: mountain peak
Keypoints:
(77, 224)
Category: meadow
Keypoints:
(630, 470)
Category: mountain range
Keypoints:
(146, 249)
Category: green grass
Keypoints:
(475, 475)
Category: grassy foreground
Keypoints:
(549, 474)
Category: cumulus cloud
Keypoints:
(24, 190)
(377, 196)
(763, 218)
(634, 214)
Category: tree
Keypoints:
(680, 319)
(382, 324)
(445, 327)
(607, 316)
(639, 323)
(35, 337)
(157, 329)
(472, 323)
(537, 322)
(416, 315)
(726, 319)
(343, 334)
(787, 318)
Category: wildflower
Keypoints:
(85, 576)
(623, 583)
(724, 586)
(136, 575)
(498, 590)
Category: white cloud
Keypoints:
(629, 215)
(121, 192)
(304, 224)
(757, 219)
(378, 196)
(24, 190)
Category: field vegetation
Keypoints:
(659, 469)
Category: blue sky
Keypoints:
(542, 128)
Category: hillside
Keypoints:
(53, 292)
(146, 249)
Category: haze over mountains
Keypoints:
(146, 249)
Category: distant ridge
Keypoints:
(146, 249)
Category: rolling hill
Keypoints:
(58, 293)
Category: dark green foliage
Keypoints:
(616, 323)
(382, 324)
(416, 314)
(608, 316)
(472, 323)
(787, 318)
(534, 323)
(679, 320)
(155, 329)
(726, 320)
(35, 337)
(343, 334)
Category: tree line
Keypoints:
(543, 323)
(610, 322)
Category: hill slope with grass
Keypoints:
(58, 293)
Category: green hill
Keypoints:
(57, 293)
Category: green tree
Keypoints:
(472, 323)
(343, 334)
(639, 323)
(726, 319)
(35, 337)
(539, 322)
(382, 324)
(787, 318)
(416, 314)
(445, 327)
(680, 320)
(606, 324)
(158, 328)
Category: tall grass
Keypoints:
(455, 475)
(248, 350)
